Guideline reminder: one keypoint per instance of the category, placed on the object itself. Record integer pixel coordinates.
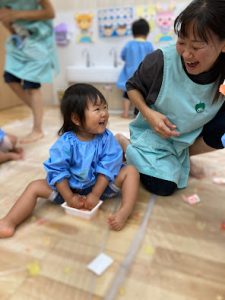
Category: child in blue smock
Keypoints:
(132, 54)
(177, 91)
(8, 149)
(30, 54)
(85, 164)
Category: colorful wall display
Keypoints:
(84, 23)
(114, 22)
(62, 34)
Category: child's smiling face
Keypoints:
(96, 120)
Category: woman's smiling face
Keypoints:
(198, 55)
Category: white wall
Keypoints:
(99, 50)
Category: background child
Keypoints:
(132, 54)
(30, 54)
(8, 149)
(176, 90)
(85, 164)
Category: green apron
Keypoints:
(31, 53)
(186, 104)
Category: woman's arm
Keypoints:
(46, 12)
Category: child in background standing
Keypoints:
(85, 164)
(132, 54)
(30, 54)
(8, 149)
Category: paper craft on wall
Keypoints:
(164, 20)
(148, 13)
(84, 23)
(161, 18)
(115, 21)
(62, 34)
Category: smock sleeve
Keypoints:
(110, 161)
(58, 164)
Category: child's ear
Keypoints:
(75, 119)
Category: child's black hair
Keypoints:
(75, 100)
(206, 17)
(140, 27)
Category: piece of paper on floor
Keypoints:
(219, 180)
(100, 263)
(193, 199)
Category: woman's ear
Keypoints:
(75, 119)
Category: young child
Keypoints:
(176, 90)
(8, 149)
(85, 164)
(132, 54)
(30, 54)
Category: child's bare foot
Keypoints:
(6, 229)
(118, 220)
(32, 137)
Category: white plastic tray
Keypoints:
(86, 214)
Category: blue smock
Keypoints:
(31, 53)
(132, 54)
(80, 162)
(186, 104)
(2, 134)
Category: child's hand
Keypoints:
(91, 201)
(161, 124)
(77, 201)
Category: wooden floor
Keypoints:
(181, 255)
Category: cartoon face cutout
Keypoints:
(84, 21)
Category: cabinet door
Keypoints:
(7, 97)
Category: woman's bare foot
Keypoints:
(6, 229)
(31, 137)
(118, 220)
(196, 170)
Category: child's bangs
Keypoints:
(96, 99)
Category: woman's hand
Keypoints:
(161, 124)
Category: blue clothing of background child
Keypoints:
(132, 54)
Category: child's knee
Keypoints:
(131, 170)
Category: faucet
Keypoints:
(113, 52)
(88, 60)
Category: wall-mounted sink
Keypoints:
(104, 74)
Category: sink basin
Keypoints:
(104, 74)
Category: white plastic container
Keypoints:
(85, 214)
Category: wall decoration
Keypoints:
(164, 20)
(62, 34)
(148, 13)
(161, 19)
(84, 23)
(115, 21)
